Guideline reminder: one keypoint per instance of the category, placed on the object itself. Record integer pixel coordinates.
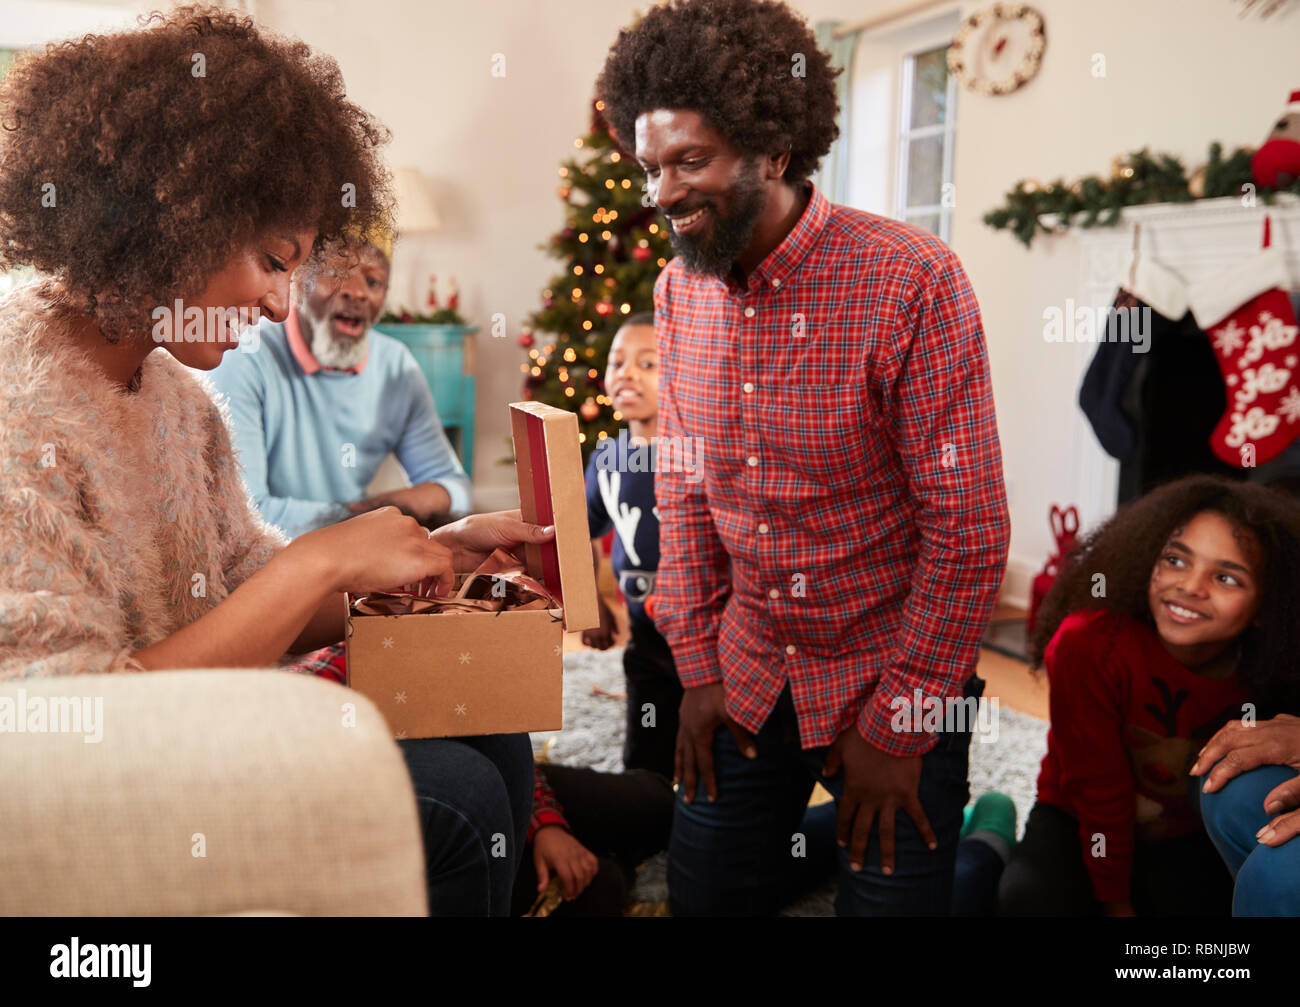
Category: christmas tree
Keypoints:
(612, 246)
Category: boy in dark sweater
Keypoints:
(621, 495)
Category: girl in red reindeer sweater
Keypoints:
(1175, 616)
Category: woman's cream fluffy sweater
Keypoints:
(122, 514)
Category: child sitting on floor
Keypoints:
(590, 831)
(1174, 617)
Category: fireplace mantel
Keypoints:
(1198, 241)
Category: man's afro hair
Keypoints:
(750, 68)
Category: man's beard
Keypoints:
(715, 253)
(337, 354)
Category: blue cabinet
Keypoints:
(445, 354)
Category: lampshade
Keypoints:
(416, 209)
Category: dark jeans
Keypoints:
(651, 681)
(976, 875)
(1267, 877)
(1048, 875)
(475, 797)
(622, 818)
(738, 855)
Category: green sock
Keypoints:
(993, 812)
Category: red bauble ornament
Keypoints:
(641, 254)
(526, 340)
(604, 308)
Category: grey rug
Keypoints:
(1004, 759)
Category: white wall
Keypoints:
(31, 23)
(1180, 73)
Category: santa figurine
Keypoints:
(1277, 163)
(453, 297)
(433, 292)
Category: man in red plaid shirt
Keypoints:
(834, 567)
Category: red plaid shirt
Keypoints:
(850, 530)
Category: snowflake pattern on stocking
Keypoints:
(1271, 334)
(1255, 347)
(1253, 425)
(1228, 338)
(1290, 405)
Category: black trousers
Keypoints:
(654, 696)
(623, 818)
(1047, 875)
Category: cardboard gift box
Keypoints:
(475, 672)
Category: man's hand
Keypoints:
(1239, 747)
(420, 502)
(554, 849)
(702, 710)
(874, 784)
(602, 637)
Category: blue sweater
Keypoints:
(621, 494)
(311, 443)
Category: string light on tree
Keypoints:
(611, 248)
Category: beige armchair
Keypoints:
(202, 792)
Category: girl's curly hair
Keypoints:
(750, 68)
(131, 164)
(1125, 550)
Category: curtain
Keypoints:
(832, 175)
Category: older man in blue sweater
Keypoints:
(323, 399)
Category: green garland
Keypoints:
(1137, 179)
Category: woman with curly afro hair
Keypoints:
(1173, 618)
(834, 363)
(165, 183)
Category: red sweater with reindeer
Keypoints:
(1127, 722)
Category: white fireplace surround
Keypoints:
(1200, 242)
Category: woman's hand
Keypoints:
(379, 551)
(555, 850)
(473, 539)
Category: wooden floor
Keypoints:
(1009, 680)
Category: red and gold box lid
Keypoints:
(552, 490)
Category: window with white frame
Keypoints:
(926, 129)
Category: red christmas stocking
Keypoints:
(1248, 316)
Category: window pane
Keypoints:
(929, 221)
(924, 171)
(929, 88)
